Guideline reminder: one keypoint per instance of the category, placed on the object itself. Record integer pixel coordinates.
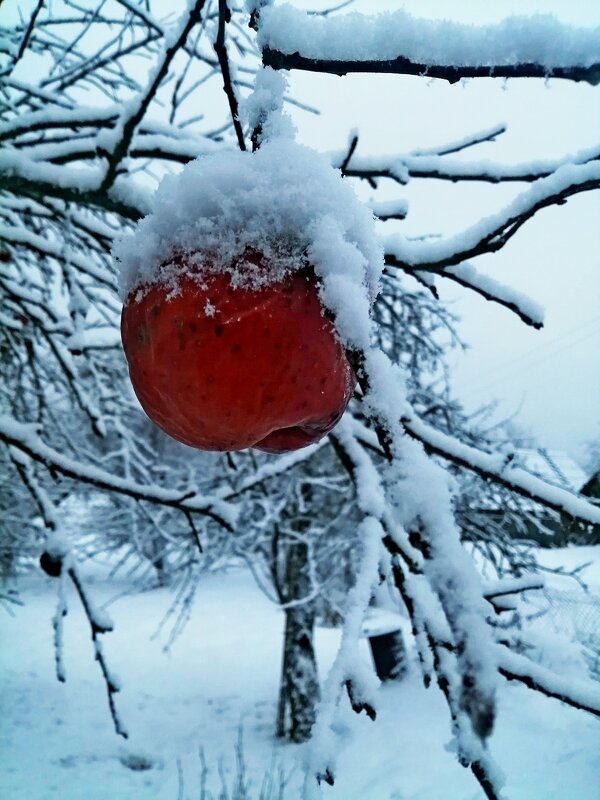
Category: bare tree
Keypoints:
(77, 140)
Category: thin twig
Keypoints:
(228, 88)
(97, 627)
(132, 121)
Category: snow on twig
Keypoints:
(398, 42)
(51, 118)
(401, 167)
(99, 623)
(509, 585)
(136, 109)
(20, 235)
(493, 466)
(486, 135)
(271, 469)
(25, 438)
(58, 561)
(23, 176)
(583, 695)
(491, 233)
(465, 274)
(58, 626)
(431, 624)
(348, 670)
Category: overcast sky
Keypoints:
(551, 377)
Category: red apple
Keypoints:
(225, 368)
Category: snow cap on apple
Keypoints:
(229, 289)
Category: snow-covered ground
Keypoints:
(57, 741)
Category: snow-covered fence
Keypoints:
(575, 611)
(575, 614)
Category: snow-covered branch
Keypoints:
(26, 439)
(23, 177)
(464, 142)
(493, 232)
(135, 111)
(414, 557)
(99, 623)
(397, 42)
(583, 695)
(401, 168)
(58, 561)
(499, 469)
(495, 467)
(465, 274)
(272, 469)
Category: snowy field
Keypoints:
(57, 741)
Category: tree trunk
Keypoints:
(299, 691)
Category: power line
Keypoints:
(533, 363)
(509, 365)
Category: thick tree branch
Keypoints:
(400, 43)
(404, 66)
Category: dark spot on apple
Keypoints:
(193, 327)
(236, 348)
(323, 381)
(218, 330)
(141, 334)
(155, 311)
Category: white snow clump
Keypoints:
(279, 202)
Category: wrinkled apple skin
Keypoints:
(223, 368)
